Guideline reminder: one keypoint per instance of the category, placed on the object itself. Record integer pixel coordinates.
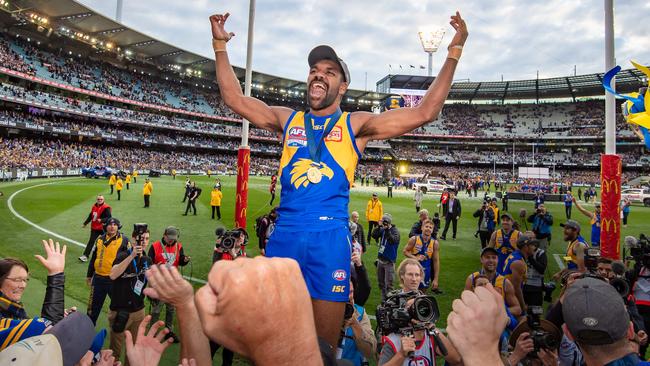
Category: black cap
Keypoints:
(323, 52)
(526, 240)
(490, 250)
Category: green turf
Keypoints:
(62, 206)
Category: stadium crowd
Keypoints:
(508, 288)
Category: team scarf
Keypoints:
(11, 309)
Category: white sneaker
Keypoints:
(83, 258)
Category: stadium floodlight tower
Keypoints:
(430, 42)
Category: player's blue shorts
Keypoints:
(426, 281)
(323, 256)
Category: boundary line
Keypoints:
(49, 232)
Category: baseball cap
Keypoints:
(65, 344)
(486, 250)
(506, 214)
(594, 312)
(572, 224)
(374, 194)
(113, 220)
(324, 52)
(171, 232)
(526, 240)
(387, 218)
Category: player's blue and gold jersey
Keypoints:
(305, 203)
(507, 266)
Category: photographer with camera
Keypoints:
(264, 226)
(127, 299)
(407, 322)
(388, 237)
(168, 251)
(542, 222)
(639, 278)
(486, 223)
(577, 246)
(425, 249)
(535, 290)
(504, 241)
(358, 342)
(229, 246)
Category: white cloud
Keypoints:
(508, 37)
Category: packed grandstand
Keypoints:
(69, 101)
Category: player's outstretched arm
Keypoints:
(370, 126)
(254, 110)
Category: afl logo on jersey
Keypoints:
(339, 275)
(296, 137)
(420, 361)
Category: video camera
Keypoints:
(545, 335)
(592, 255)
(226, 239)
(396, 313)
(639, 249)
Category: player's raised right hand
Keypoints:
(218, 31)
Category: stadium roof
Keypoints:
(558, 87)
(78, 17)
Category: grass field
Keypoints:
(61, 205)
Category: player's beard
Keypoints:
(330, 98)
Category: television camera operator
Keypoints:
(406, 320)
(127, 297)
(638, 278)
(388, 237)
(230, 245)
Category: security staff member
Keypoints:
(135, 176)
(215, 202)
(146, 192)
(374, 212)
(99, 214)
(174, 174)
(195, 192)
(168, 251)
(127, 180)
(100, 265)
(127, 300)
(118, 187)
(111, 182)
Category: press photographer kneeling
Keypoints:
(406, 321)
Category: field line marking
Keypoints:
(49, 232)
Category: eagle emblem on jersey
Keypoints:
(300, 168)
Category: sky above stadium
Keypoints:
(509, 39)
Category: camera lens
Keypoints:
(228, 242)
(425, 310)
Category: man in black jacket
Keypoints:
(416, 229)
(127, 299)
(485, 223)
(533, 289)
(452, 214)
(195, 192)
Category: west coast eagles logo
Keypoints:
(300, 168)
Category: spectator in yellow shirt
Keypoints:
(146, 191)
(111, 182)
(118, 187)
(215, 201)
(374, 212)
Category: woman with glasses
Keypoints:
(14, 277)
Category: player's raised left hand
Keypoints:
(461, 30)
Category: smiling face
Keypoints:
(325, 84)
(14, 283)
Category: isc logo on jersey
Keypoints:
(339, 275)
(297, 137)
(336, 135)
